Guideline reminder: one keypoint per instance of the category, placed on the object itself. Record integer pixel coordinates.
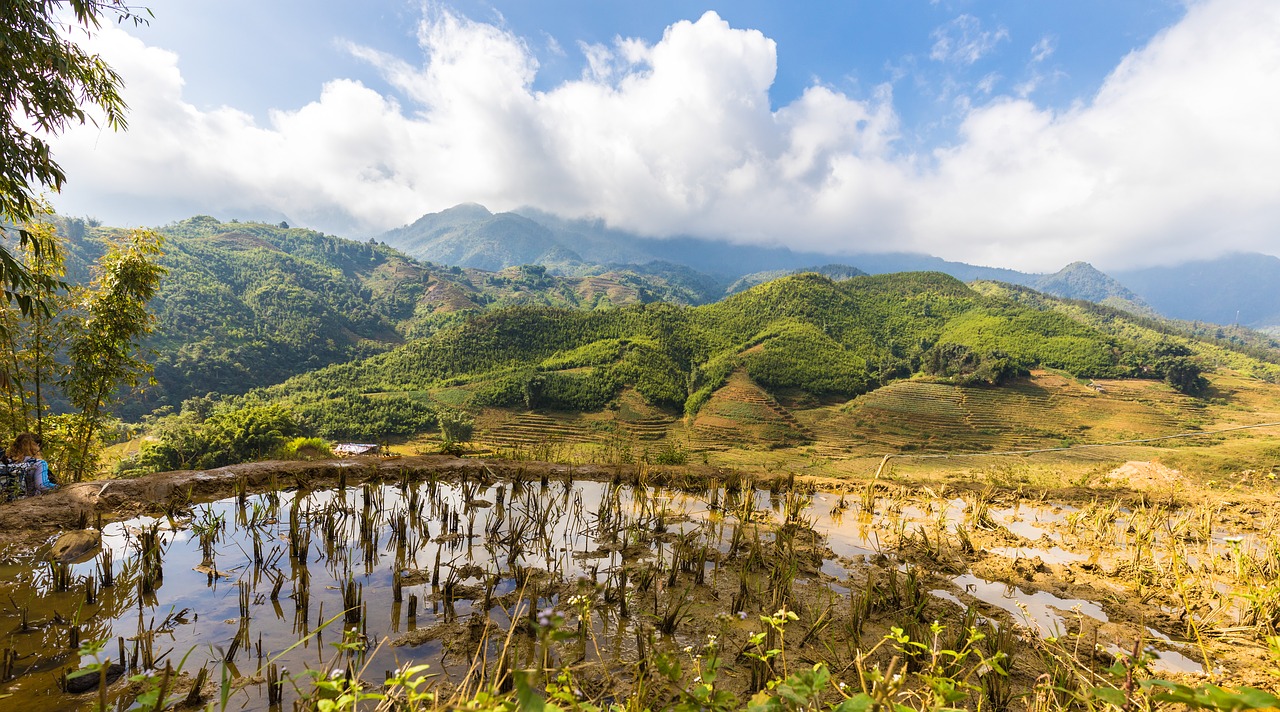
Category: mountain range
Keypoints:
(247, 305)
(1234, 289)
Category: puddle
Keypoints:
(1164, 661)
(1041, 609)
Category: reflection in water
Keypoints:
(286, 577)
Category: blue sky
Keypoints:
(1009, 132)
(258, 55)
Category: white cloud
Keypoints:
(963, 41)
(1177, 155)
(987, 84)
(1043, 48)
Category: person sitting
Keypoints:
(13, 478)
(24, 455)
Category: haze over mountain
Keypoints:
(1241, 288)
(1081, 280)
(470, 235)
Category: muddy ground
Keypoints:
(1142, 595)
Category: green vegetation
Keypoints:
(455, 427)
(64, 364)
(48, 80)
(354, 338)
(251, 304)
(204, 435)
(112, 319)
(304, 448)
(1240, 348)
(805, 333)
(800, 337)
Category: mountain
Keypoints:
(1081, 280)
(835, 272)
(469, 235)
(802, 334)
(245, 305)
(1233, 289)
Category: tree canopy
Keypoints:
(48, 82)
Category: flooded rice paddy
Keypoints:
(244, 595)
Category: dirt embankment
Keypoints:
(83, 503)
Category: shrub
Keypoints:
(456, 426)
(302, 448)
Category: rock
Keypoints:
(75, 545)
(84, 683)
(209, 570)
(1145, 477)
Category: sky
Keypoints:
(1004, 132)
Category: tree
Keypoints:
(29, 340)
(455, 427)
(1175, 364)
(46, 81)
(104, 354)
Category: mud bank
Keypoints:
(78, 504)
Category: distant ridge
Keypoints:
(1081, 280)
(468, 235)
(1241, 289)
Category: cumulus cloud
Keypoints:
(1175, 157)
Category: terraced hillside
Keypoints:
(741, 413)
(522, 430)
(630, 425)
(1043, 410)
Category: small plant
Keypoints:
(302, 448)
(668, 454)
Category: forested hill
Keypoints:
(804, 333)
(249, 304)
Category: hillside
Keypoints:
(246, 305)
(1081, 280)
(804, 335)
(1239, 348)
(1235, 289)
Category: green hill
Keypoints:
(802, 334)
(246, 305)
(834, 271)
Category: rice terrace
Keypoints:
(802, 357)
(814, 563)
